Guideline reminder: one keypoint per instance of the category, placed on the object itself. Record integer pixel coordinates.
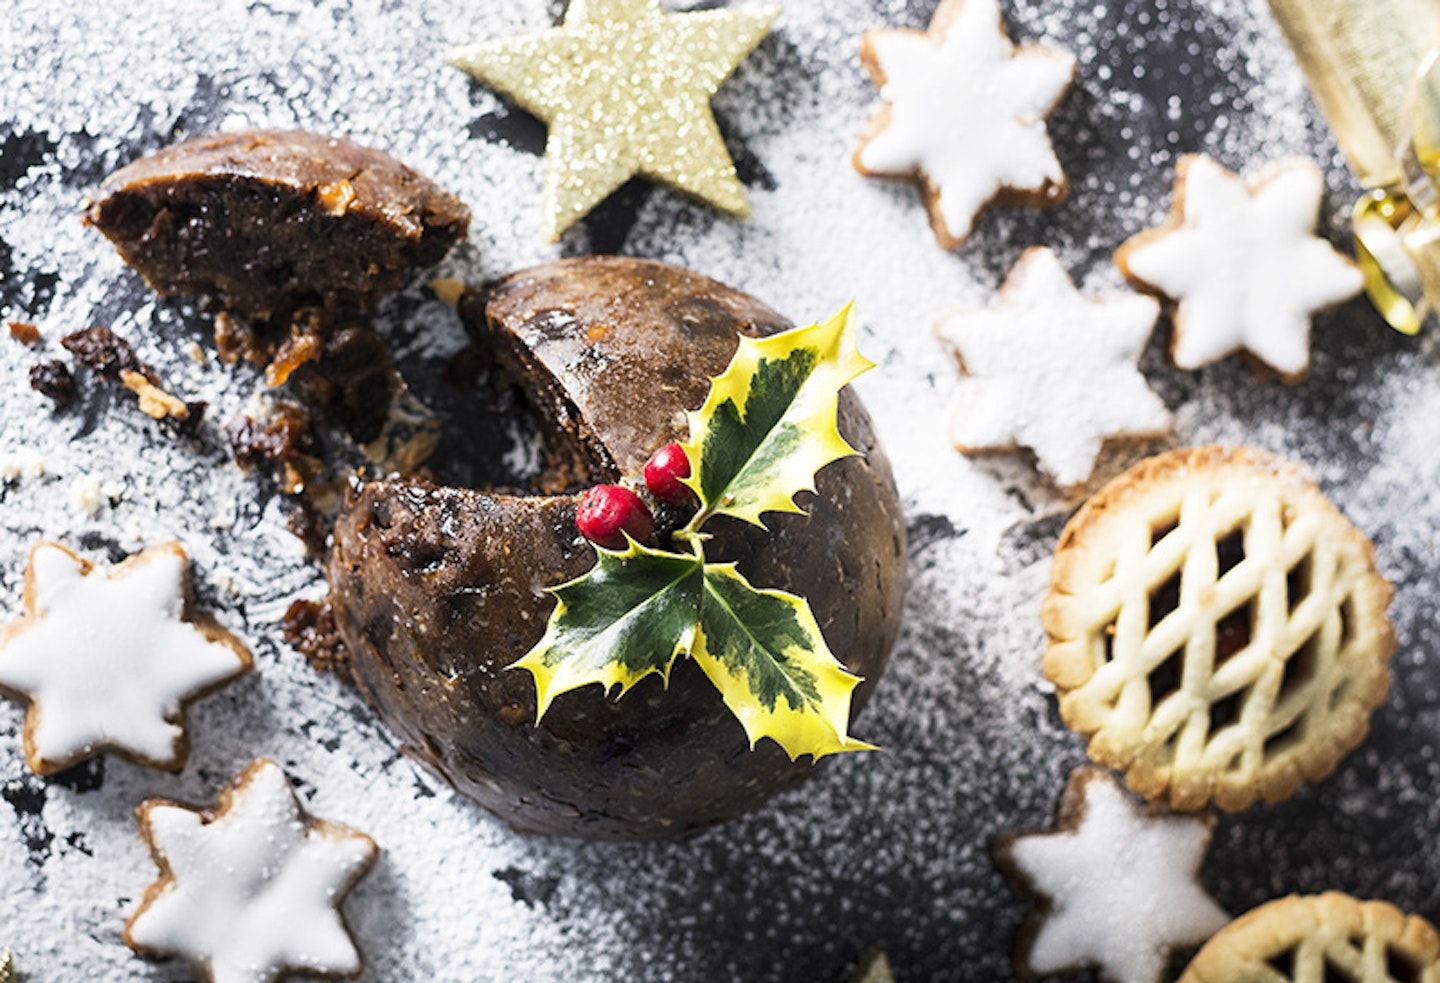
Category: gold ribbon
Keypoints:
(1372, 66)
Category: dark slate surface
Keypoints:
(891, 851)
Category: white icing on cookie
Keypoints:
(106, 660)
(966, 110)
(1049, 369)
(251, 892)
(1244, 264)
(1122, 886)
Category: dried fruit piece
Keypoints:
(105, 353)
(53, 380)
(24, 332)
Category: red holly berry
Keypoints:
(607, 512)
(663, 473)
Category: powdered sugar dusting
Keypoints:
(886, 849)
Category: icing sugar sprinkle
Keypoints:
(888, 850)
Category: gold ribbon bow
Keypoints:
(1374, 69)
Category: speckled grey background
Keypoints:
(887, 849)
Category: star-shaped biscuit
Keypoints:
(1243, 264)
(108, 660)
(965, 115)
(1049, 369)
(1115, 886)
(626, 90)
(250, 889)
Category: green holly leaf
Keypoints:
(630, 616)
(769, 422)
(638, 610)
(764, 652)
(768, 425)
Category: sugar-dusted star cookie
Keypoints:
(1115, 886)
(965, 115)
(107, 660)
(1243, 264)
(1052, 370)
(250, 890)
(626, 90)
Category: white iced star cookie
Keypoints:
(965, 115)
(1052, 370)
(250, 890)
(107, 660)
(1243, 264)
(1115, 886)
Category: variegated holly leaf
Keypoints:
(639, 610)
(631, 615)
(768, 425)
(769, 422)
(763, 650)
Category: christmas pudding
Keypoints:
(438, 591)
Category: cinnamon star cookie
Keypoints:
(108, 660)
(1243, 264)
(1049, 369)
(965, 115)
(249, 890)
(1116, 886)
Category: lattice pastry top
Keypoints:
(1318, 939)
(1217, 628)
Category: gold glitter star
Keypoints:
(625, 89)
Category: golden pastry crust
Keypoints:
(1217, 628)
(1312, 939)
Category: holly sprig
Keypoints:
(768, 425)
